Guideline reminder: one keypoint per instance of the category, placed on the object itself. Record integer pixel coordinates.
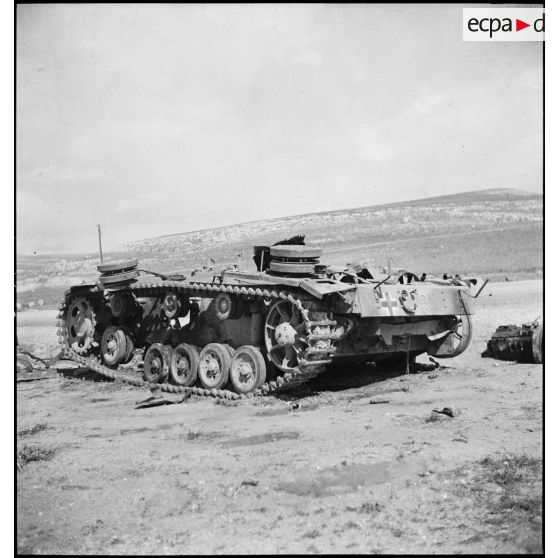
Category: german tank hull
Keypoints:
(235, 333)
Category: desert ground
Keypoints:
(335, 475)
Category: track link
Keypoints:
(319, 353)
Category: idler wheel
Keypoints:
(184, 365)
(248, 369)
(295, 251)
(459, 337)
(119, 280)
(214, 367)
(115, 267)
(118, 275)
(114, 346)
(538, 344)
(156, 364)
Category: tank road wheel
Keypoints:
(459, 338)
(129, 344)
(129, 349)
(229, 349)
(248, 369)
(215, 363)
(184, 365)
(156, 364)
(80, 323)
(538, 344)
(285, 335)
(114, 346)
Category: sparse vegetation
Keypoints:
(30, 430)
(507, 491)
(191, 435)
(510, 469)
(434, 417)
(370, 507)
(26, 454)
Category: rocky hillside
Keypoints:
(442, 223)
(495, 233)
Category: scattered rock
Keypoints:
(449, 411)
(460, 437)
(249, 482)
(432, 376)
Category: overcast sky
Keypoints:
(161, 119)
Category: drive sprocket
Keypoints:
(80, 325)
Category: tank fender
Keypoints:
(321, 287)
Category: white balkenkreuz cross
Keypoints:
(387, 302)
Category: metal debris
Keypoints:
(448, 411)
(156, 399)
(523, 343)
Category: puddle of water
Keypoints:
(260, 439)
(342, 479)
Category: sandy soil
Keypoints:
(338, 474)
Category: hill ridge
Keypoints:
(488, 194)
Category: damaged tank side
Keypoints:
(237, 333)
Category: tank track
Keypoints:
(321, 337)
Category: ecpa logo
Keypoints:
(503, 24)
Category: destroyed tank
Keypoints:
(237, 333)
(523, 343)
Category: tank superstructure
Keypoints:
(235, 332)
